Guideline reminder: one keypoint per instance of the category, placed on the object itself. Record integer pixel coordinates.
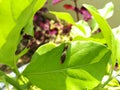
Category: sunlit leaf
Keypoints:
(106, 30)
(81, 28)
(14, 15)
(83, 68)
(107, 11)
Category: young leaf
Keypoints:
(107, 11)
(83, 68)
(104, 26)
(106, 30)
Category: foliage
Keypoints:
(78, 71)
(18, 17)
(80, 63)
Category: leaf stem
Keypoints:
(15, 68)
(16, 71)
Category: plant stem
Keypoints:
(16, 71)
(110, 78)
(77, 13)
(11, 81)
(15, 68)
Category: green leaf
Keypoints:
(102, 41)
(113, 83)
(104, 26)
(45, 48)
(80, 28)
(14, 15)
(107, 11)
(64, 15)
(28, 29)
(83, 69)
(116, 32)
(106, 30)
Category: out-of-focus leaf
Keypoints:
(94, 25)
(116, 32)
(113, 85)
(83, 68)
(81, 28)
(102, 41)
(107, 11)
(14, 15)
(64, 15)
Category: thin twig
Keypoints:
(77, 13)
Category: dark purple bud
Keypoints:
(44, 9)
(67, 29)
(76, 9)
(86, 15)
(45, 25)
(26, 36)
(37, 34)
(97, 31)
(56, 1)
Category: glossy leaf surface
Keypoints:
(83, 68)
